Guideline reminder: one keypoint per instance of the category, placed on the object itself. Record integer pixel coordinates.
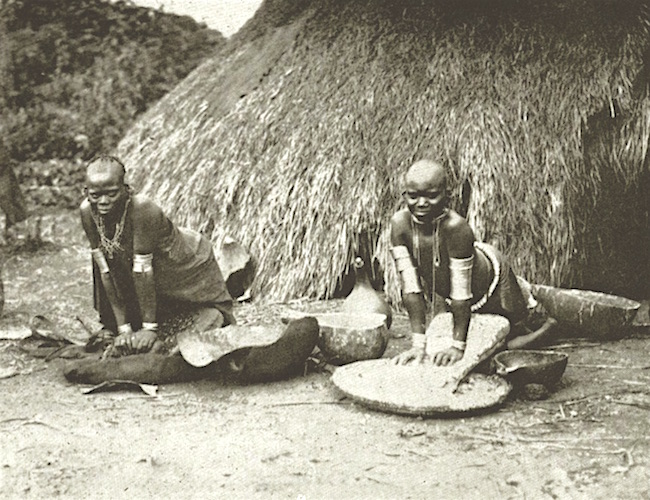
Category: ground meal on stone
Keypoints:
(417, 389)
(486, 332)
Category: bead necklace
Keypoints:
(435, 247)
(111, 245)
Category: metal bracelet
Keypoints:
(100, 260)
(143, 263)
(459, 344)
(419, 341)
(124, 329)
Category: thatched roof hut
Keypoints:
(295, 138)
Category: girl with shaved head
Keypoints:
(435, 252)
(145, 268)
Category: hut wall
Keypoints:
(295, 139)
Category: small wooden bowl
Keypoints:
(521, 367)
(346, 337)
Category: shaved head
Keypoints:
(105, 188)
(425, 191)
(105, 169)
(426, 173)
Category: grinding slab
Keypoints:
(594, 313)
(413, 389)
(487, 333)
(428, 390)
(200, 348)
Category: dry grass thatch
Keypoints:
(295, 140)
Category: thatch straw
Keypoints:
(295, 140)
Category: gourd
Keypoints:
(364, 298)
(349, 337)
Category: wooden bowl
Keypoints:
(521, 367)
(346, 337)
(594, 313)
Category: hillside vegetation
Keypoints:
(74, 75)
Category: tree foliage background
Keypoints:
(74, 74)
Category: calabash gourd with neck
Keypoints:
(364, 298)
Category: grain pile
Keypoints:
(417, 390)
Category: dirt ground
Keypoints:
(299, 438)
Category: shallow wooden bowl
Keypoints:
(347, 337)
(593, 313)
(523, 367)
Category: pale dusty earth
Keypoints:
(300, 438)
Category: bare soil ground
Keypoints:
(299, 438)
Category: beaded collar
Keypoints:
(109, 246)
